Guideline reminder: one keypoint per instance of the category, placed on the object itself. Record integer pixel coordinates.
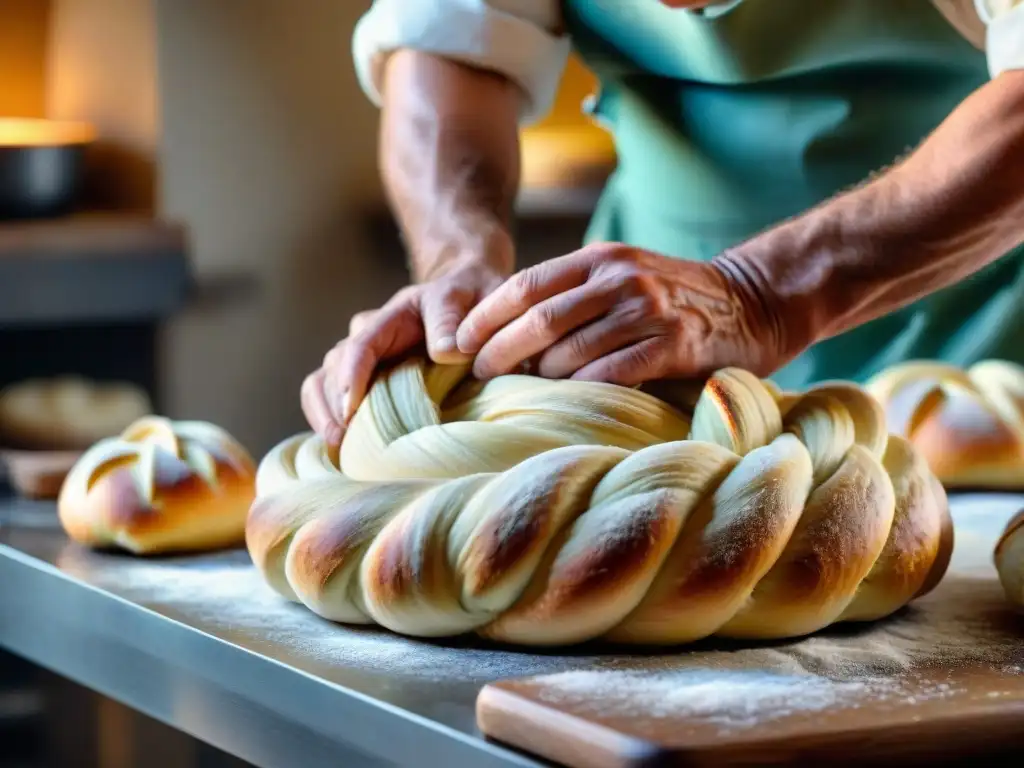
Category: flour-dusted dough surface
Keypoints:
(542, 512)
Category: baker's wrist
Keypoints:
(786, 324)
(474, 245)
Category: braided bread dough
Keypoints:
(968, 424)
(1009, 559)
(552, 512)
(160, 486)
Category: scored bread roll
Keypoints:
(1009, 559)
(68, 412)
(160, 486)
(548, 512)
(968, 424)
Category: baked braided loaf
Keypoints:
(968, 424)
(160, 486)
(553, 512)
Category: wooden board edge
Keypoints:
(522, 723)
(549, 733)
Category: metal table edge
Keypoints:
(420, 741)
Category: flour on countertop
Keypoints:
(728, 699)
(964, 622)
(233, 602)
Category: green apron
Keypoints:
(726, 124)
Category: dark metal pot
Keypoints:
(40, 179)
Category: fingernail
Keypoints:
(445, 344)
(346, 404)
(462, 339)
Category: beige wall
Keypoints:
(267, 151)
(243, 119)
(23, 26)
(102, 68)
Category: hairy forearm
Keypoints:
(449, 156)
(950, 208)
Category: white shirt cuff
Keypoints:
(470, 31)
(1004, 44)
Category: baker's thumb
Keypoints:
(443, 310)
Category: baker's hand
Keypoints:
(426, 312)
(623, 315)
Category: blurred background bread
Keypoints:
(967, 423)
(67, 413)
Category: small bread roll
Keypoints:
(545, 513)
(68, 412)
(1009, 559)
(968, 424)
(160, 486)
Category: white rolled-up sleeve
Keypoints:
(1004, 37)
(519, 39)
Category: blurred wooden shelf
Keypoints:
(91, 268)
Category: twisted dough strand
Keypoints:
(1009, 559)
(552, 512)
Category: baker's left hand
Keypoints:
(623, 315)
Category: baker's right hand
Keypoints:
(426, 312)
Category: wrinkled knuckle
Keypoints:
(645, 285)
(454, 297)
(643, 307)
(642, 357)
(629, 283)
(526, 284)
(359, 320)
(542, 319)
(620, 254)
(311, 383)
(333, 356)
(452, 287)
(407, 294)
(578, 346)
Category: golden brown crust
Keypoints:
(161, 486)
(550, 513)
(967, 424)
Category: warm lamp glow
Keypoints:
(31, 132)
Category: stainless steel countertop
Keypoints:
(202, 644)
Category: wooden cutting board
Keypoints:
(943, 678)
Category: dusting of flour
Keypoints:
(965, 623)
(731, 699)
